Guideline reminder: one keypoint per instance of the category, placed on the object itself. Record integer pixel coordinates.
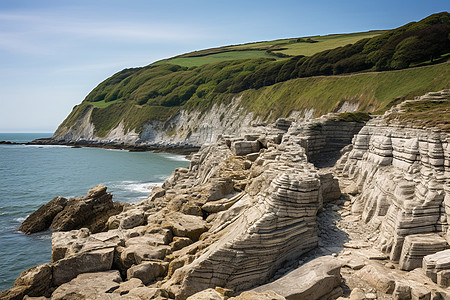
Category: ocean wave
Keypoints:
(20, 219)
(136, 186)
(176, 157)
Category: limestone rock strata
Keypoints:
(229, 221)
(401, 176)
(275, 223)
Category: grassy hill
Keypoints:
(375, 69)
(278, 49)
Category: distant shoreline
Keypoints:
(175, 149)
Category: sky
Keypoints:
(54, 52)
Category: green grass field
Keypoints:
(217, 57)
(258, 50)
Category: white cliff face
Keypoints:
(402, 177)
(188, 127)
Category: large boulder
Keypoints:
(38, 278)
(70, 267)
(313, 280)
(185, 225)
(90, 286)
(91, 211)
(42, 218)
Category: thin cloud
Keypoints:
(28, 33)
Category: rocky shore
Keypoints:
(184, 149)
(266, 216)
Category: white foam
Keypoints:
(176, 157)
(137, 187)
(20, 219)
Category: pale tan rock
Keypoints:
(210, 294)
(357, 294)
(180, 242)
(145, 293)
(90, 286)
(126, 286)
(375, 275)
(185, 225)
(147, 271)
(312, 280)
(68, 268)
(38, 279)
(436, 263)
(417, 246)
(252, 295)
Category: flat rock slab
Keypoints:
(89, 286)
(313, 280)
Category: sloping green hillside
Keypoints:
(372, 71)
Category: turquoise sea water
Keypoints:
(33, 175)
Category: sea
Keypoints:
(30, 176)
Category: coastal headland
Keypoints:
(311, 177)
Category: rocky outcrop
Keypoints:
(400, 176)
(91, 211)
(313, 280)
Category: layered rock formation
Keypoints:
(91, 211)
(401, 178)
(246, 210)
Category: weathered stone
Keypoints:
(312, 280)
(147, 271)
(245, 147)
(417, 246)
(68, 268)
(253, 295)
(180, 242)
(137, 253)
(185, 225)
(89, 286)
(206, 294)
(14, 293)
(436, 263)
(146, 293)
(42, 218)
(38, 279)
(91, 211)
(375, 275)
(126, 286)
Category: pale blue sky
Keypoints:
(53, 53)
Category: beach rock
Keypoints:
(126, 286)
(91, 211)
(185, 225)
(145, 293)
(210, 294)
(14, 293)
(253, 295)
(375, 275)
(42, 218)
(127, 219)
(415, 247)
(313, 280)
(136, 254)
(438, 265)
(90, 286)
(70, 267)
(147, 271)
(38, 280)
